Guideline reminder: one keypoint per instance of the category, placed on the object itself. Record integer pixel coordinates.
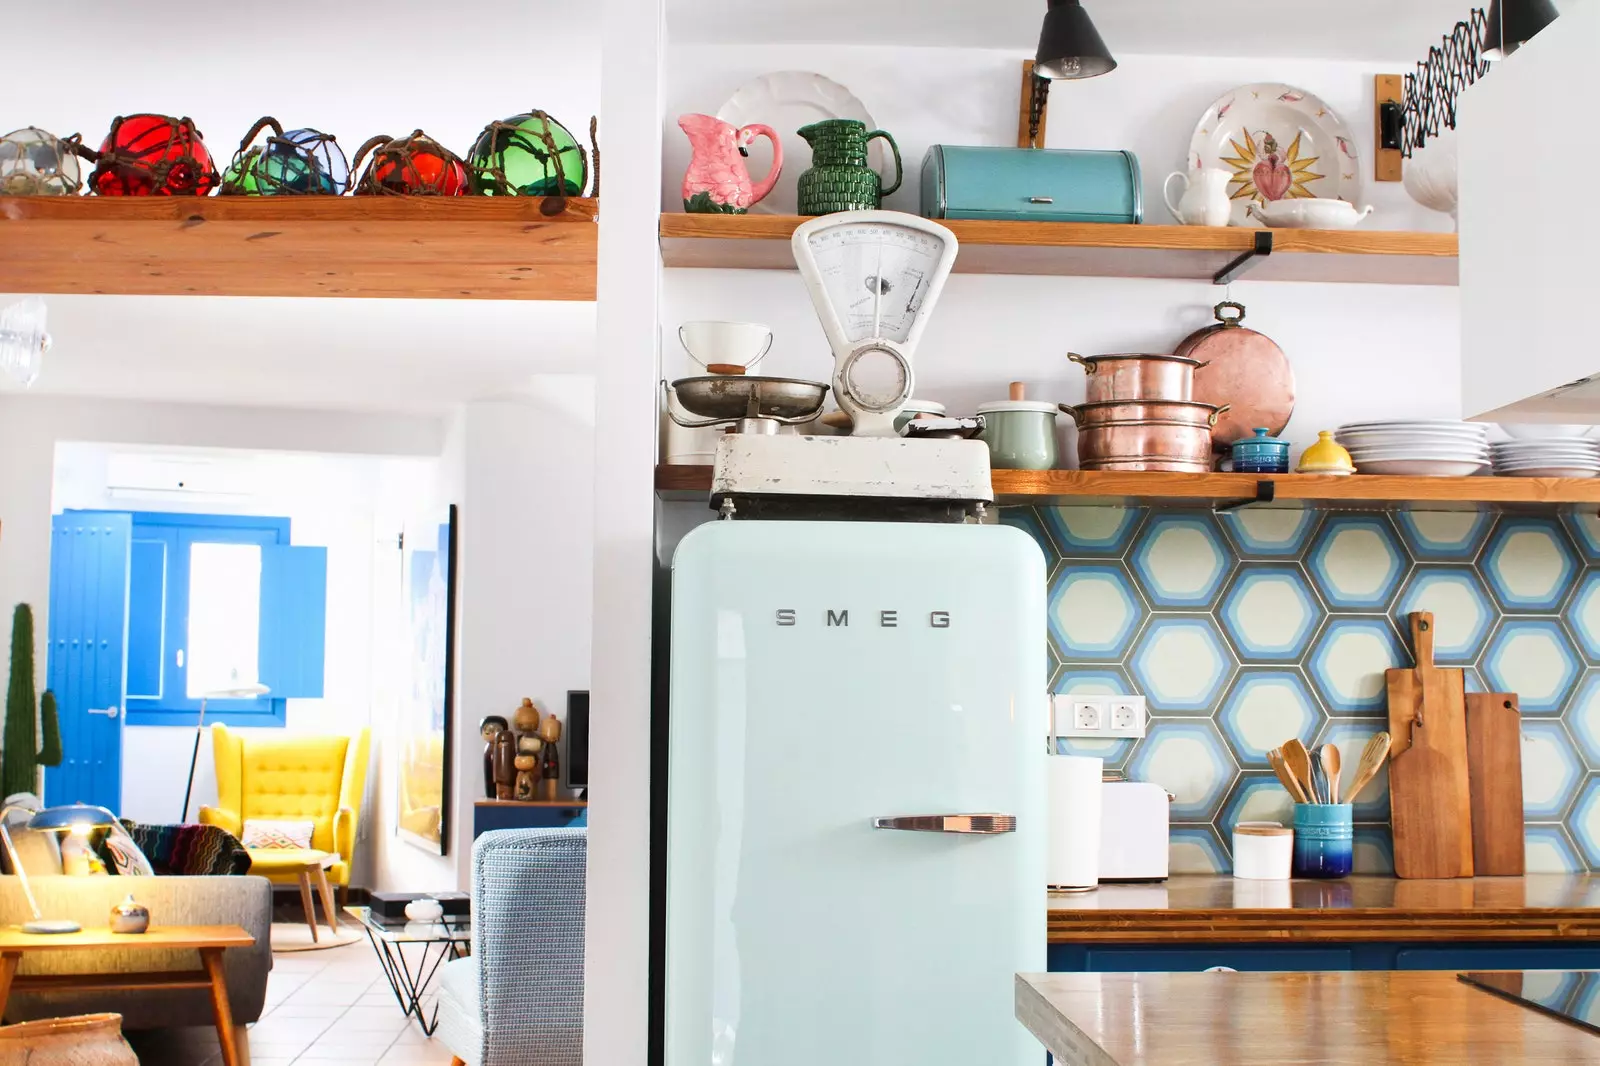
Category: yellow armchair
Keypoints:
(320, 778)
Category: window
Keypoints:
(216, 602)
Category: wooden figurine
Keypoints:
(527, 766)
(490, 728)
(505, 764)
(550, 766)
(526, 718)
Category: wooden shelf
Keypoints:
(476, 247)
(1089, 488)
(573, 804)
(761, 242)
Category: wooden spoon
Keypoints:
(1373, 757)
(1275, 760)
(1329, 754)
(1298, 760)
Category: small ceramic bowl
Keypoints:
(1261, 454)
(1326, 456)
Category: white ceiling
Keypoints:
(404, 356)
(1329, 29)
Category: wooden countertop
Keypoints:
(1212, 909)
(1274, 1019)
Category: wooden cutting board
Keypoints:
(1494, 774)
(1430, 804)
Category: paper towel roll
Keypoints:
(1074, 809)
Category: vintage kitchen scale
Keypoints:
(874, 279)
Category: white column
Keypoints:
(617, 921)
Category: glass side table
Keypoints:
(441, 941)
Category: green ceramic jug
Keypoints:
(839, 178)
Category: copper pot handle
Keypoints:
(1069, 409)
(1202, 364)
(1087, 364)
(1224, 319)
(1219, 412)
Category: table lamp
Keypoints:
(71, 816)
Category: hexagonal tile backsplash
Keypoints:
(1244, 629)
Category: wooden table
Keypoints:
(209, 940)
(305, 863)
(1272, 1019)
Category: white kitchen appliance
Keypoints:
(1134, 834)
(855, 847)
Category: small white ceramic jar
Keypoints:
(1262, 851)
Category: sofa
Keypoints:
(519, 998)
(243, 901)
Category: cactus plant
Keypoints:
(20, 755)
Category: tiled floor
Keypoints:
(323, 1007)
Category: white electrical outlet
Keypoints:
(1099, 716)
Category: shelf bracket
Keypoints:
(1266, 492)
(1232, 272)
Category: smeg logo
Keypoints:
(886, 619)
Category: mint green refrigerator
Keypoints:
(855, 864)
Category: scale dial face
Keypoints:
(877, 276)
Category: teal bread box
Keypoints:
(1031, 184)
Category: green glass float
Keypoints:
(299, 162)
(531, 155)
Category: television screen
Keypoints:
(577, 735)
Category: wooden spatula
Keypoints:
(1373, 756)
(1329, 754)
(1298, 760)
(1275, 760)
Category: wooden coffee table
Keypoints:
(209, 940)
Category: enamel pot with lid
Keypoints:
(1110, 378)
(1021, 433)
(1244, 370)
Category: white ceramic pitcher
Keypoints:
(1205, 198)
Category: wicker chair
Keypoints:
(519, 998)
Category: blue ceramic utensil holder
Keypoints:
(1324, 840)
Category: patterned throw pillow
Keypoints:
(266, 833)
(190, 850)
(123, 855)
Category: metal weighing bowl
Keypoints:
(719, 398)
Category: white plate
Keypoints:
(1421, 447)
(1412, 440)
(1446, 424)
(787, 100)
(1550, 471)
(1531, 431)
(1421, 467)
(1312, 153)
(1401, 437)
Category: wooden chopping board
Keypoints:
(1494, 773)
(1430, 803)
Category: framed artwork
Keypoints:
(427, 703)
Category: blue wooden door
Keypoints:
(89, 573)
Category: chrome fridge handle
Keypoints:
(984, 824)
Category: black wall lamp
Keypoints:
(1513, 23)
(1070, 48)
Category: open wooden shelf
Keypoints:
(530, 803)
(1089, 487)
(470, 247)
(1392, 257)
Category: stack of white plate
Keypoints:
(1429, 447)
(1547, 457)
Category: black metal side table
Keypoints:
(441, 941)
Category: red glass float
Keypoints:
(416, 165)
(153, 155)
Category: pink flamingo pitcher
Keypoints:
(717, 182)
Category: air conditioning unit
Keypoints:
(137, 475)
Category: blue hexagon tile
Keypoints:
(1584, 822)
(1347, 664)
(1551, 771)
(1529, 564)
(1535, 659)
(1196, 849)
(1091, 532)
(1357, 562)
(1027, 519)
(1181, 560)
(1094, 612)
(1263, 709)
(1583, 615)
(1585, 531)
(1548, 850)
(1351, 735)
(1374, 850)
(1269, 533)
(1463, 612)
(1093, 681)
(1269, 612)
(1189, 760)
(1444, 536)
(1181, 664)
(1255, 797)
(1582, 718)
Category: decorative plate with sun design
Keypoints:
(1277, 142)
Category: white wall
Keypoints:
(1357, 350)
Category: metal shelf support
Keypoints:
(1234, 270)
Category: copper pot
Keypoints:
(1175, 412)
(1184, 446)
(1111, 378)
